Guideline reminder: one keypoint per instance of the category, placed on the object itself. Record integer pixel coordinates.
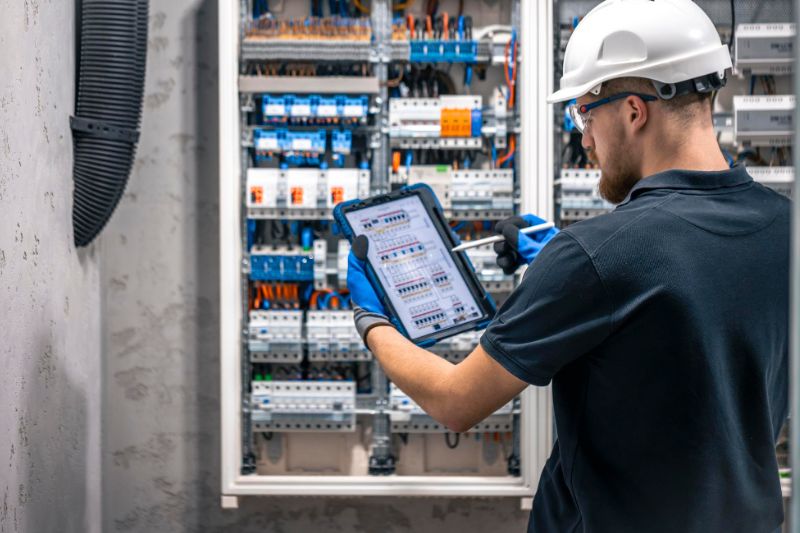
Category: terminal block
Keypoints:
(303, 406)
(332, 336)
(437, 177)
(342, 142)
(448, 116)
(578, 196)
(780, 179)
(304, 187)
(314, 108)
(283, 140)
(482, 189)
(439, 51)
(765, 48)
(281, 263)
(275, 336)
(474, 189)
(764, 120)
(408, 417)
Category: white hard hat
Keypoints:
(669, 41)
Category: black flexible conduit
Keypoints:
(108, 109)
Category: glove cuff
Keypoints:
(366, 320)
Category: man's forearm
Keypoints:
(424, 376)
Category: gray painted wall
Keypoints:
(160, 256)
(50, 344)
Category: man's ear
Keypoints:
(636, 112)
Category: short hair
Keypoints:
(686, 107)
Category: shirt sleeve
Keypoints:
(559, 312)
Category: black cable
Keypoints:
(452, 445)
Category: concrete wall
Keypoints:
(50, 343)
(160, 255)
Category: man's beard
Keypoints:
(619, 172)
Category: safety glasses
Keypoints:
(581, 115)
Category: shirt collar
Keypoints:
(690, 179)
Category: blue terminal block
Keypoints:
(326, 106)
(268, 140)
(299, 106)
(273, 107)
(341, 141)
(304, 141)
(476, 123)
(281, 267)
(438, 51)
(355, 107)
(313, 107)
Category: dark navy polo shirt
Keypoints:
(664, 329)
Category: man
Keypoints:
(663, 325)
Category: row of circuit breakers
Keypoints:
(763, 122)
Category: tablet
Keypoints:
(431, 292)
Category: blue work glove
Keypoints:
(368, 310)
(519, 249)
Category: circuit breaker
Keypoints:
(327, 102)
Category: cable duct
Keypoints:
(108, 110)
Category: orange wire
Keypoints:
(445, 20)
(411, 26)
(511, 82)
(429, 26)
(512, 145)
(257, 299)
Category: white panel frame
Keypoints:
(536, 146)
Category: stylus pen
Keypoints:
(497, 238)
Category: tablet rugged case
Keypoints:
(450, 238)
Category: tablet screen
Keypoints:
(415, 266)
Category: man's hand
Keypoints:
(517, 248)
(368, 309)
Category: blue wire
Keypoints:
(322, 303)
(494, 155)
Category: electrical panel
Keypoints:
(326, 103)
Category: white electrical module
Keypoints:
(781, 179)
(764, 120)
(765, 48)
